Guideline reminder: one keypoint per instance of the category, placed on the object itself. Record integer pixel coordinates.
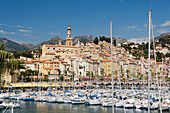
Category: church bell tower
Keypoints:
(69, 40)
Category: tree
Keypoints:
(121, 70)
(73, 76)
(102, 72)
(62, 78)
(59, 73)
(46, 77)
(127, 71)
(110, 75)
(2, 46)
(115, 75)
(6, 61)
(65, 75)
(84, 42)
(96, 40)
(103, 38)
(27, 74)
(88, 74)
(114, 42)
(17, 54)
(167, 55)
(101, 46)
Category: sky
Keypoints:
(34, 21)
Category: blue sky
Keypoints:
(34, 21)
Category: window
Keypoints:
(53, 48)
(48, 48)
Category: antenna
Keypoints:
(150, 4)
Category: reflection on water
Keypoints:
(43, 107)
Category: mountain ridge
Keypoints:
(14, 46)
(162, 35)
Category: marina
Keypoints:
(44, 107)
(86, 99)
(86, 74)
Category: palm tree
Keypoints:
(127, 71)
(80, 77)
(109, 75)
(59, 73)
(102, 72)
(153, 75)
(65, 75)
(115, 74)
(139, 76)
(48, 75)
(88, 74)
(101, 47)
(121, 71)
(4, 60)
(73, 76)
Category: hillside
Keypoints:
(165, 40)
(52, 41)
(12, 46)
(55, 40)
(161, 36)
(83, 38)
(27, 45)
(120, 40)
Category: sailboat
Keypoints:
(163, 106)
(110, 102)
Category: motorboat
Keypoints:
(52, 100)
(95, 102)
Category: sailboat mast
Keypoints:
(149, 73)
(112, 65)
(156, 81)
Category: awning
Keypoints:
(91, 78)
(106, 79)
(53, 77)
(84, 78)
(35, 77)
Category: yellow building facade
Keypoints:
(106, 66)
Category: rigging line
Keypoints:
(154, 51)
(155, 58)
(150, 4)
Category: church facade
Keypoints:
(68, 50)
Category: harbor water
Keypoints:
(44, 107)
